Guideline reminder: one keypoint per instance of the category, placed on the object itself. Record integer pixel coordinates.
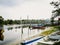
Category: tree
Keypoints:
(56, 12)
(1, 21)
(52, 21)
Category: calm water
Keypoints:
(14, 35)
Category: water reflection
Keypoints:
(1, 34)
(16, 33)
(10, 28)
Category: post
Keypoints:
(21, 30)
(28, 28)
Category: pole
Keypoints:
(28, 28)
(21, 30)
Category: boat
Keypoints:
(38, 26)
(53, 39)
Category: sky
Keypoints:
(20, 9)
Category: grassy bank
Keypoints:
(49, 31)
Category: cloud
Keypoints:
(34, 9)
(10, 2)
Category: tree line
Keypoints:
(23, 21)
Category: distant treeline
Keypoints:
(25, 21)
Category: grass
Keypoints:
(58, 27)
(49, 31)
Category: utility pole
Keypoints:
(21, 29)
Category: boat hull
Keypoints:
(38, 27)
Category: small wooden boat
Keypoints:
(38, 27)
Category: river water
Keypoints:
(16, 34)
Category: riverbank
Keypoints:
(47, 32)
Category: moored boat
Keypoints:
(38, 26)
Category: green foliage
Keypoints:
(8, 22)
(52, 21)
(49, 31)
(57, 27)
(1, 20)
(23, 21)
(55, 12)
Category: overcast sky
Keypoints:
(35, 9)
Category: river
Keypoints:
(16, 35)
